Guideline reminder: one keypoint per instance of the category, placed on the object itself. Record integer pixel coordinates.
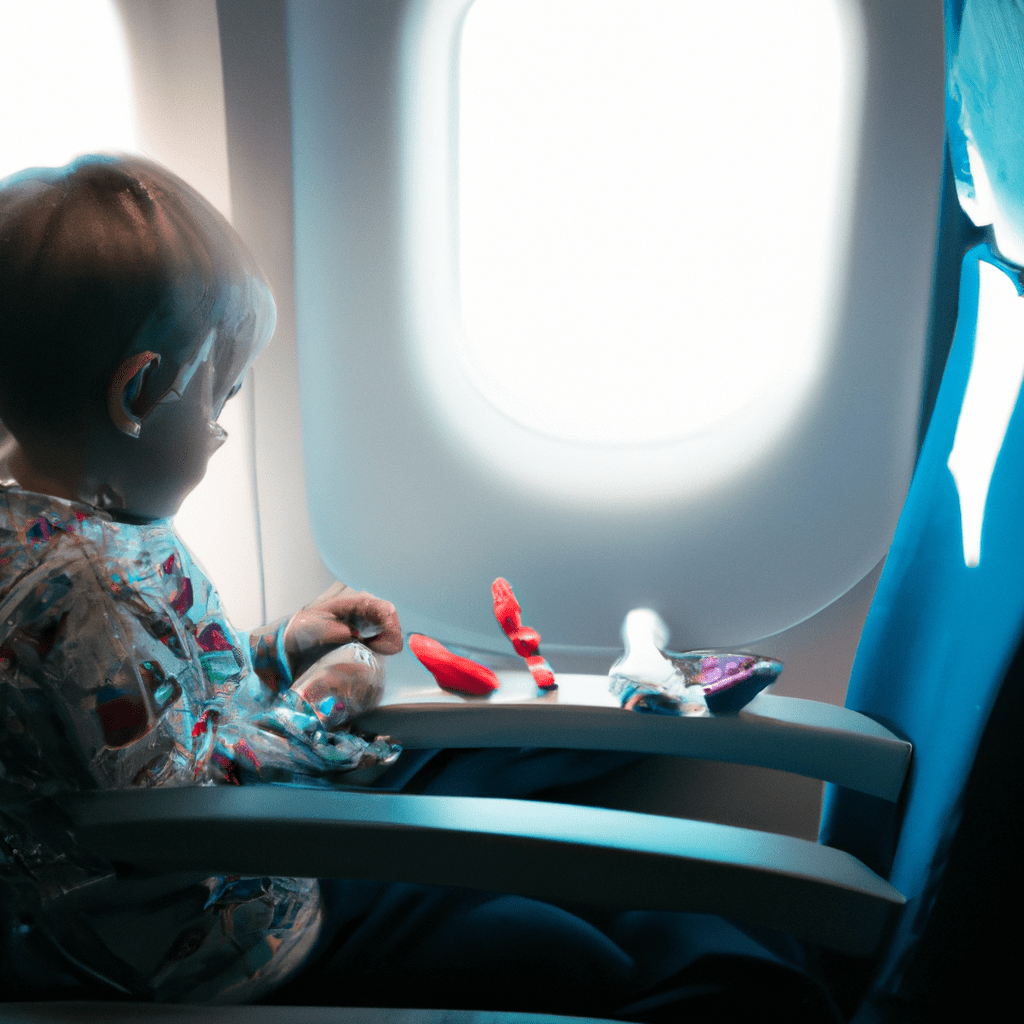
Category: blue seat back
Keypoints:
(936, 646)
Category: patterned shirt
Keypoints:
(119, 669)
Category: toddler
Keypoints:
(130, 312)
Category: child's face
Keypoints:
(151, 475)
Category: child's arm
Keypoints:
(318, 670)
(301, 734)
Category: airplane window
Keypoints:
(64, 72)
(589, 341)
(650, 202)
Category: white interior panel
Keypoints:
(402, 504)
(87, 76)
(179, 107)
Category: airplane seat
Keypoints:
(939, 638)
(939, 662)
(980, 896)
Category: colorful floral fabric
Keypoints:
(119, 669)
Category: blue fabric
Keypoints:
(398, 944)
(982, 892)
(936, 646)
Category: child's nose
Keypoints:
(217, 436)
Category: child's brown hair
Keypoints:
(100, 259)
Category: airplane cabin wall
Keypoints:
(178, 83)
(211, 81)
(254, 55)
(432, 522)
(349, 138)
(211, 97)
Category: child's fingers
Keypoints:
(359, 615)
(342, 615)
(375, 622)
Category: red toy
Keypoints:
(524, 640)
(463, 675)
(451, 671)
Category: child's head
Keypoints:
(986, 119)
(129, 312)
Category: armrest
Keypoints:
(547, 851)
(795, 735)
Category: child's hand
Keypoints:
(336, 617)
(341, 685)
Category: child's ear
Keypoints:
(126, 401)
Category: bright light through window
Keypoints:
(65, 79)
(651, 196)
